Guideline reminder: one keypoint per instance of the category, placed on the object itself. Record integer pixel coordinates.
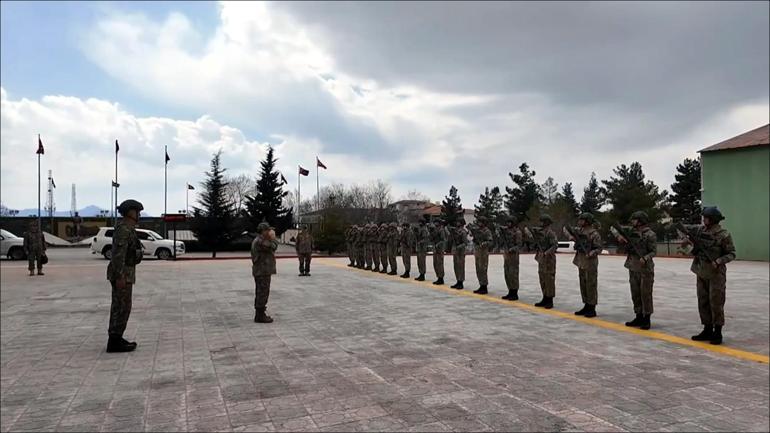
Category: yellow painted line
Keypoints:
(620, 327)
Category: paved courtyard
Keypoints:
(355, 351)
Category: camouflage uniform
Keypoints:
(546, 261)
(392, 247)
(263, 267)
(711, 280)
(511, 241)
(126, 254)
(482, 241)
(376, 256)
(406, 242)
(350, 246)
(438, 237)
(641, 275)
(34, 247)
(459, 243)
(422, 240)
(304, 247)
(382, 246)
(369, 245)
(588, 265)
(359, 242)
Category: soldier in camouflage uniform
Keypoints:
(422, 240)
(126, 253)
(383, 234)
(587, 250)
(459, 235)
(263, 267)
(511, 242)
(546, 245)
(438, 237)
(304, 247)
(350, 246)
(34, 247)
(392, 248)
(406, 243)
(359, 243)
(641, 269)
(377, 256)
(482, 241)
(369, 245)
(713, 250)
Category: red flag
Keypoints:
(303, 172)
(318, 163)
(117, 147)
(40, 150)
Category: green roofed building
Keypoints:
(735, 177)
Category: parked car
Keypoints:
(11, 246)
(153, 244)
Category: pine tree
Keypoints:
(549, 190)
(628, 191)
(524, 197)
(490, 204)
(451, 207)
(267, 203)
(593, 196)
(567, 196)
(213, 222)
(686, 200)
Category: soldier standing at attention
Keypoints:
(368, 245)
(360, 247)
(459, 242)
(376, 250)
(422, 239)
(512, 240)
(641, 269)
(482, 241)
(392, 247)
(716, 249)
(439, 239)
(382, 246)
(304, 247)
(34, 247)
(121, 272)
(349, 245)
(587, 250)
(406, 242)
(546, 261)
(262, 269)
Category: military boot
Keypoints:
(705, 335)
(454, 286)
(375, 268)
(716, 336)
(583, 311)
(31, 273)
(405, 275)
(420, 277)
(458, 285)
(514, 295)
(541, 303)
(40, 272)
(261, 317)
(393, 272)
(548, 302)
(116, 344)
(591, 312)
(638, 320)
(368, 268)
(645, 322)
(439, 281)
(482, 290)
(508, 296)
(350, 265)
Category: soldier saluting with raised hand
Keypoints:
(640, 246)
(262, 269)
(126, 253)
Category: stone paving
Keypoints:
(355, 351)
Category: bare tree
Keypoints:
(237, 188)
(379, 194)
(413, 194)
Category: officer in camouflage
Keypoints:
(126, 253)
(587, 250)
(482, 241)
(34, 247)
(392, 240)
(459, 242)
(511, 240)
(640, 249)
(304, 247)
(438, 237)
(545, 255)
(713, 250)
(406, 243)
(422, 240)
(262, 269)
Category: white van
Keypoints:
(153, 244)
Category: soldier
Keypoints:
(482, 241)
(459, 242)
(511, 240)
(406, 242)
(368, 245)
(121, 272)
(360, 247)
(640, 246)
(376, 249)
(34, 247)
(438, 236)
(422, 240)
(304, 247)
(263, 267)
(712, 249)
(546, 245)
(349, 236)
(382, 244)
(588, 246)
(392, 248)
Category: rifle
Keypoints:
(699, 247)
(580, 240)
(536, 234)
(619, 231)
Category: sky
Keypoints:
(422, 95)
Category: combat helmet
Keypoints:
(587, 217)
(640, 216)
(712, 213)
(511, 219)
(129, 204)
(545, 218)
(262, 227)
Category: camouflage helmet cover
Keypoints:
(545, 218)
(713, 213)
(129, 204)
(640, 216)
(262, 227)
(587, 217)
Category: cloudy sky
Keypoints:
(423, 95)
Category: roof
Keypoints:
(755, 137)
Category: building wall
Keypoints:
(738, 182)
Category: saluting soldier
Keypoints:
(422, 240)
(710, 257)
(640, 249)
(546, 244)
(511, 240)
(482, 242)
(304, 247)
(263, 267)
(439, 240)
(587, 247)
(34, 247)
(406, 243)
(126, 253)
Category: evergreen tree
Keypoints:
(523, 199)
(451, 207)
(686, 200)
(267, 204)
(490, 204)
(593, 196)
(213, 222)
(628, 191)
(567, 196)
(549, 190)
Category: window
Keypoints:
(563, 245)
(108, 234)
(144, 236)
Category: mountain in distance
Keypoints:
(88, 211)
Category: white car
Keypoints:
(153, 244)
(11, 246)
(568, 247)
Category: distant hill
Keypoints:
(88, 211)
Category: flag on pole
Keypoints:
(52, 182)
(167, 158)
(283, 180)
(303, 171)
(117, 146)
(190, 186)
(318, 163)
(40, 150)
(115, 184)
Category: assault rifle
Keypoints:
(536, 234)
(580, 240)
(620, 232)
(701, 242)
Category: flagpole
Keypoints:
(39, 223)
(299, 195)
(117, 185)
(317, 186)
(187, 199)
(165, 190)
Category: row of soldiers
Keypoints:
(375, 246)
